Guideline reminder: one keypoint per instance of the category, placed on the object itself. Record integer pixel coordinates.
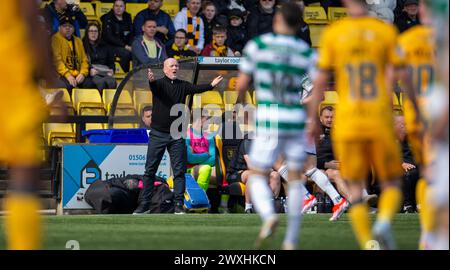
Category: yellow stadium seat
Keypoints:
(331, 99)
(230, 99)
(336, 13)
(316, 32)
(125, 125)
(124, 104)
(103, 8)
(87, 102)
(66, 99)
(171, 9)
(142, 98)
(134, 9)
(89, 11)
(315, 15)
(232, 83)
(210, 97)
(56, 133)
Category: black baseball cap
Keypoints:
(411, 2)
(64, 19)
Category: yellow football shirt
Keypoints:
(359, 51)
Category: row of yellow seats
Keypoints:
(224, 102)
(89, 102)
(331, 99)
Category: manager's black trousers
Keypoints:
(157, 144)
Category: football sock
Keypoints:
(389, 204)
(324, 183)
(248, 206)
(359, 216)
(204, 174)
(295, 203)
(283, 171)
(427, 211)
(261, 196)
(23, 222)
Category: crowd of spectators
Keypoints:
(201, 27)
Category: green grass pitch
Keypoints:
(204, 232)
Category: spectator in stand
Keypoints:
(209, 19)
(409, 17)
(218, 47)
(237, 33)
(118, 33)
(70, 58)
(409, 165)
(165, 28)
(59, 8)
(190, 20)
(178, 49)
(101, 58)
(260, 19)
(147, 49)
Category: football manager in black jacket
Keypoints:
(167, 92)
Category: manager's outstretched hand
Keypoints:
(216, 81)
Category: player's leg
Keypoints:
(295, 158)
(354, 169)
(387, 163)
(243, 177)
(437, 237)
(23, 222)
(275, 183)
(309, 201)
(20, 150)
(263, 154)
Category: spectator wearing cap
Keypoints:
(218, 47)
(165, 29)
(189, 19)
(260, 19)
(409, 17)
(59, 8)
(118, 32)
(147, 49)
(178, 49)
(209, 12)
(236, 31)
(70, 57)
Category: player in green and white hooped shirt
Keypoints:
(277, 62)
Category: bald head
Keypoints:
(171, 68)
